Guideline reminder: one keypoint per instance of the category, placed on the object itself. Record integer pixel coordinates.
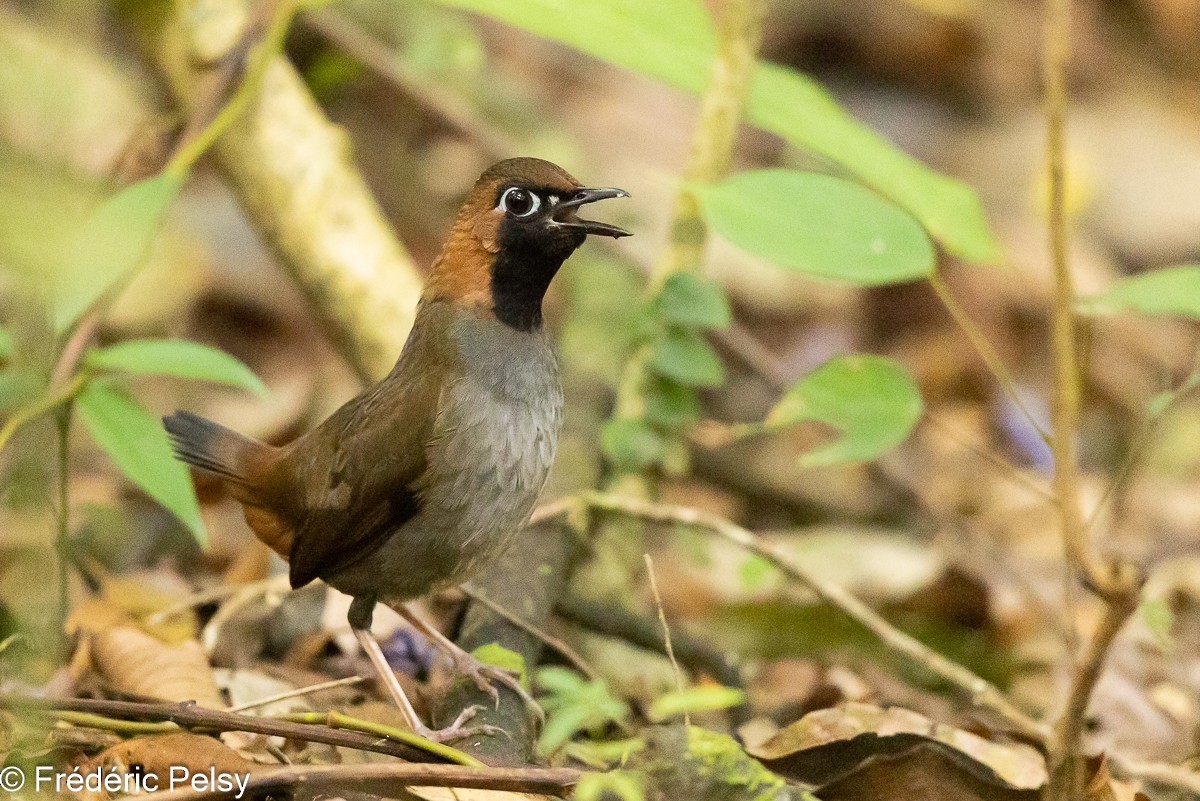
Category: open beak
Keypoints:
(564, 212)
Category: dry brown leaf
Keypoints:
(157, 755)
(832, 745)
(138, 664)
(1103, 787)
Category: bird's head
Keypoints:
(518, 225)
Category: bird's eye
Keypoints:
(519, 202)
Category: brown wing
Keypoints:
(363, 464)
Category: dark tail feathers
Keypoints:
(215, 448)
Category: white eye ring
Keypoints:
(535, 202)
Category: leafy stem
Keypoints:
(193, 147)
(42, 405)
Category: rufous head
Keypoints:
(518, 225)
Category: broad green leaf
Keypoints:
(694, 699)
(6, 343)
(687, 300)
(820, 225)
(135, 440)
(871, 400)
(631, 445)
(686, 357)
(1169, 291)
(111, 243)
(671, 405)
(674, 42)
(799, 109)
(177, 357)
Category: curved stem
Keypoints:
(40, 406)
(985, 350)
(336, 720)
(193, 147)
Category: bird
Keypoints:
(425, 477)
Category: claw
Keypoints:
(481, 673)
(458, 731)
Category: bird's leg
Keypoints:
(479, 672)
(360, 624)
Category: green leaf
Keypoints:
(753, 572)
(624, 785)
(177, 357)
(135, 440)
(112, 242)
(694, 699)
(670, 405)
(820, 225)
(493, 653)
(6, 343)
(574, 705)
(674, 42)
(631, 444)
(1170, 291)
(684, 356)
(872, 400)
(687, 300)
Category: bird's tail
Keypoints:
(217, 449)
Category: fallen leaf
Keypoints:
(832, 746)
(135, 663)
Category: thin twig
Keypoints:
(299, 692)
(978, 690)
(612, 620)
(342, 32)
(1004, 467)
(985, 350)
(572, 656)
(191, 716)
(385, 779)
(62, 542)
(336, 720)
(666, 631)
(193, 147)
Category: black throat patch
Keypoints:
(523, 269)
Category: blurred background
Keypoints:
(938, 534)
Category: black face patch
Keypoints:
(532, 248)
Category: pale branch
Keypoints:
(293, 171)
(978, 690)
(299, 692)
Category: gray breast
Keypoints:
(494, 441)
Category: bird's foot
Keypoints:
(458, 730)
(484, 675)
